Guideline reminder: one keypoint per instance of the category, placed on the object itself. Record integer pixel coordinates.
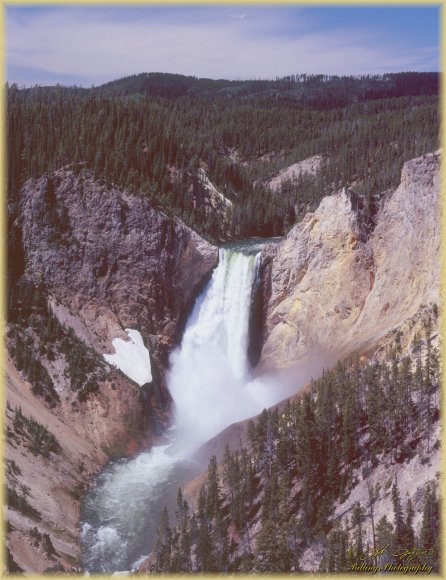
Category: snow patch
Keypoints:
(131, 357)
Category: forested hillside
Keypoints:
(151, 134)
(290, 490)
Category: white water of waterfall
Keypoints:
(209, 383)
(209, 372)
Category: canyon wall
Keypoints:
(111, 259)
(331, 289)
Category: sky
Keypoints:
(87, 45)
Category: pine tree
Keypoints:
(357, 520)
(182, 562)
(163, 544)
(335, 556)
(306, 458)
(430, 527)
(348, 428)
(272, 552)
(430, 523)
(373, 494)
(398, 517)
(205, 548)
(409, 531)
(384, 541)
(213, 497)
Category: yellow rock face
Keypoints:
(333, 292)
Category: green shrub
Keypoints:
(20, 503)
(39, 440)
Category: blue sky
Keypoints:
(91, 45)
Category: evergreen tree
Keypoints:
(163, 544)
(409, 540)
(205, 547)
(335, 556)
(384, 541)
(272, 552)
(213, 496)
(430, 529)
(399, 536)
(357, 520)
(431, 520)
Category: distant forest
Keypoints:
(150, 133)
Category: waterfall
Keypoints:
(220, 319)
(209, 371)
(209, 381)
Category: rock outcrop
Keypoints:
(207, 195)
(310, 166)
(330, 293)
(111, 260)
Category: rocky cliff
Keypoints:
(329, 290)
(111, 259)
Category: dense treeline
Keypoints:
(267, 503)
(151, 133)
(317, 89)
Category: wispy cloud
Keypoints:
(93, 45)
(237, 16)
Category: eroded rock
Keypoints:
(332, 293)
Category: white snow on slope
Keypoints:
(131, 357)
